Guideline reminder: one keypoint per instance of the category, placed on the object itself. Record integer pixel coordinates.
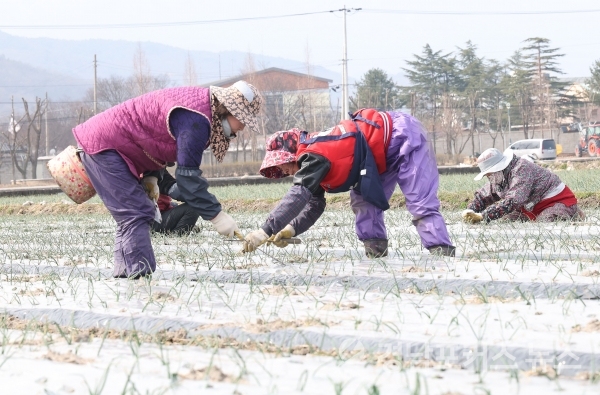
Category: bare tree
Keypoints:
(247, 137)
(114, 90)
(15, 141)
(34, 133)
(24, 145)
(142, 75)
(61, 120)
(451, 122)
(190, 78)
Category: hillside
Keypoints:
(75, 58)
(18, 79)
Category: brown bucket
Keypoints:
(66, 168)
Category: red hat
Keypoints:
(281, 149)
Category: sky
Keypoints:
(384, 34)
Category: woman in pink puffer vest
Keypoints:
(126, 148)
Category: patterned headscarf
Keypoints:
(219, 144)
(281, 149)
(496, 177)
(243, 101)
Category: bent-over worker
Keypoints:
(142, 135)
(368, 155)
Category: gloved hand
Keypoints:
(376, 248)
(254, 239)
(286, 233)
(442, 250)
(471, 217)
(150, 184)
(224, 224)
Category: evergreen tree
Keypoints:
(494, 102)
(433, 77)
(518, 87)
(376, 90)
(472, 87)
(593, 83)
(541, 61)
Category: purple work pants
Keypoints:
(131, 208)
(410, 164)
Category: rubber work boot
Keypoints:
(442, 250)
(134, 276)
(376, 248)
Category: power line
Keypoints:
(258, 18)
(422, 12)
(67, 102)
(161, 24)
(42, 86)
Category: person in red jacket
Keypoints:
(368, 155)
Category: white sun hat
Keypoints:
(492, 160)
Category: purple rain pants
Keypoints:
(130, 207)
(412, 165)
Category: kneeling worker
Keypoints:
(519, 190)
(179, 219)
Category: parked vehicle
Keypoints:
(589, 139)
(535, 148)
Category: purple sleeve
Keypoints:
(304, 203)
(289, 207)
(310, 214)
(192, 131)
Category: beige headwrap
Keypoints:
(243, 101)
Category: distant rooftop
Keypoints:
(229, 81)
(573, 80)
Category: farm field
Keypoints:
(518, 309)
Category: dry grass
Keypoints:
(211, 373)
(592, 326)
(68, 357)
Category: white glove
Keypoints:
(157, 214)
(254, 240)
(471, 217)
(150, 184)
(286, 233)
(224, 224)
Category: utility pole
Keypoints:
(95, 85)
(345, 72)
(345, 106)
(509, 128)
(46, 122)
(13, 153)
